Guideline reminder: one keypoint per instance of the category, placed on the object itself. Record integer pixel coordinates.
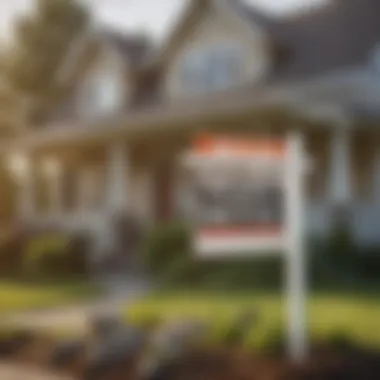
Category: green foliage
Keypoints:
(12, 244)
(335, 319)
(55, 254)
(336, 261)
(8, 191)
(166, 251)
(340, 340)
(42, 43)
(17, 296)
(260, 272)
(340, 260)
(341, 246)
(77, 252)
(168, 255)
(46, 255)
(368, 263)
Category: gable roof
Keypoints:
(135, 48)
(341, 34)
(334, 37)
(195, 9)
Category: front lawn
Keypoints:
(354, 316)
(20, 296)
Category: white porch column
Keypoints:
(118, 178)
(21, 168)
(340, 192)
(26, 202)
(53, 172)
(143, 194)
(86, 189)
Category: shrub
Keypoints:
(76, 257)
(348, 260)
(12, 245)
(341, 247)
(168, 255)
(260, 272)
(45, 254)
(166, 251)
(54, 253)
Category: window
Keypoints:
(103, 93)
(375, 58)
(213, 68)
(108, 92)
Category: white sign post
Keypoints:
(296, 291)
(271, 168)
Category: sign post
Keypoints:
(248, 201)
(296, 291)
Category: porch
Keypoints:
(82, 187)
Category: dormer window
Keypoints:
(212, 68)
(103, 93)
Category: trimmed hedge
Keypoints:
(268, 332)
(166, 251)
(168, 256)
(42, 254)
(55, 254)
(12, 247)
(45, 255)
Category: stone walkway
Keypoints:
(9, 371)
(119, 293)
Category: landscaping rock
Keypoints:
(15, 342)
(169, 344)
(66, 353)
(114, 352)
(178, 337)
(101, 326)
(240, 327)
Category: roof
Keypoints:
(338, 35)
(324, 40)
(134, 47)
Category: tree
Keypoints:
(42, 41)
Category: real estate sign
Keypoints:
(247, 200)
(238, 192)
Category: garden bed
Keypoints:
(348, 316)
(324, 363)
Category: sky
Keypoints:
(156, 16)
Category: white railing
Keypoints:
(365, 220)
(74, 221)
(318, 219)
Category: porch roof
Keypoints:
(328, 99)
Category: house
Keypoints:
(116, 142)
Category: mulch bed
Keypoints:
(324, 363)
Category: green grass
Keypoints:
(19, 296)
(353, 315)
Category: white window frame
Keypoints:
(103, 93)
(209, 69)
